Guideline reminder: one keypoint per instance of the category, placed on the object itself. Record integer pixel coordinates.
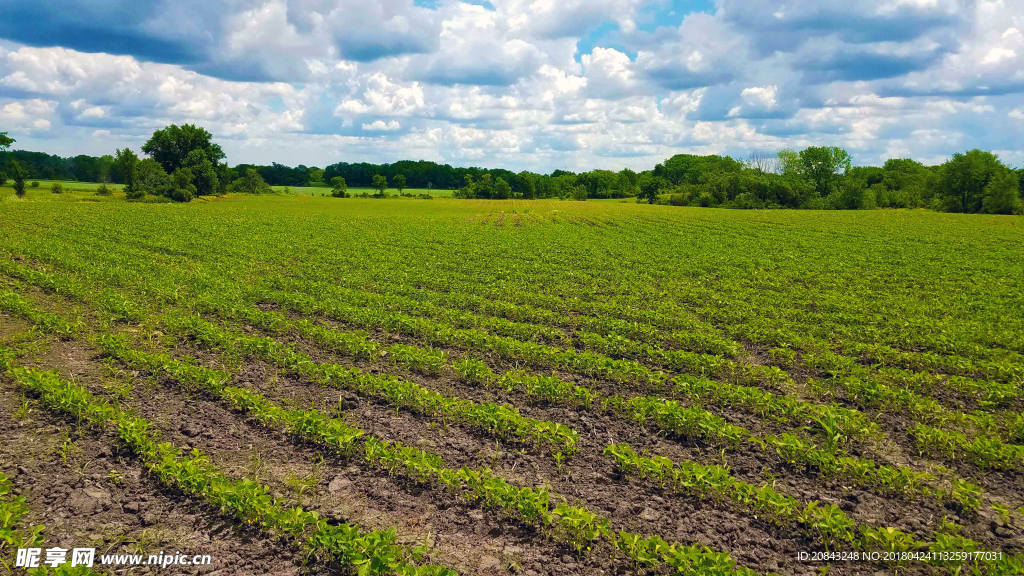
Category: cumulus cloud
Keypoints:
(525, 84)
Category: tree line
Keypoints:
(183, 162)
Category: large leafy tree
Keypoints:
(5, 141)
(824, 166)
(964, 178)
(171, 146)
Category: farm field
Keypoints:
(296, 385)
(318, 190)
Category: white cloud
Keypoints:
(528, 84)
(382, 126)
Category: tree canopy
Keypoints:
(171, 146)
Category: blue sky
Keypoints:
(523, 84)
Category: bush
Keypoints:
(180, 194)
(19, 179)
(868, 201)
(103, 190)
(56, 187)
(35, 183)
(3, 178)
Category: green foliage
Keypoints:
(1002, 195)
(824, 166)
(204, 176)
(35, 184)
(5, 142)
(502, 190)
(151, 176)
(964, 181)
(19, 178)
(380, 184)
(127, 164)
(171, 146)
(56, 187)
(649, 186)
(338, 187)
(398, 181)
(250, 183)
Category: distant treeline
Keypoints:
(814, 178)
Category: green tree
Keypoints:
(1002, 195)
(3, 178)
(251, 183)
(181, 187)
(19, 178)
(650, 186)
(171, 146)
(789, 162)
(316, 175)
(5, 141)
(825, 167)
(150, 176)
(339, 188)
(128, 165)
(527, 184)
(964, 178)
(104, 166)
(56, 187)
(484, 188)
(628, 181)
(204, 176)
(502, 190)
(399, 182)
(380, 183)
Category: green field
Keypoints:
(321, 190)
(546, 386)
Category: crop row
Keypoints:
(430, 361)
(666, 415)
(499, 420)
(69, 286)
(46, 322)
(825, 523)
(575, 525)
(370, 553)
(872, 393)
(983, 452)
(540, 308)
(522, 322)
(835, 423)
(988, 394)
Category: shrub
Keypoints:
(56, 187)
(103, 190)
(339, 188)
(19, 179)
(3, 178)
(35, 183)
